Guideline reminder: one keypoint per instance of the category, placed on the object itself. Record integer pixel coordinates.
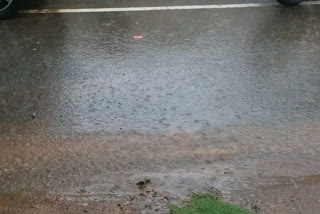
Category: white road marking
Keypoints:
(186, 7)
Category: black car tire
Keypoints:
(7, 12)
(289, 3)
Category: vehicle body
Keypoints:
(289, 2)
(8, 7)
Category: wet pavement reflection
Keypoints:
(193, 69)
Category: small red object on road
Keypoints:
(144, 194)
(138, 37)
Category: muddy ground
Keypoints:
(271, 170)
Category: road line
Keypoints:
(186, 7)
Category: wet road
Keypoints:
(81, 98)
(193, 69)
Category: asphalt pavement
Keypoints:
(225, 98)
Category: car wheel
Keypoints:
(289, 3)
(8, 7)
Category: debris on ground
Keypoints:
(138, 37)
(143, 184)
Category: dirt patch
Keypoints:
(269, 164)
(148, 201)
(19, 203)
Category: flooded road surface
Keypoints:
(195, 100)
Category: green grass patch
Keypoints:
(209, 203)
